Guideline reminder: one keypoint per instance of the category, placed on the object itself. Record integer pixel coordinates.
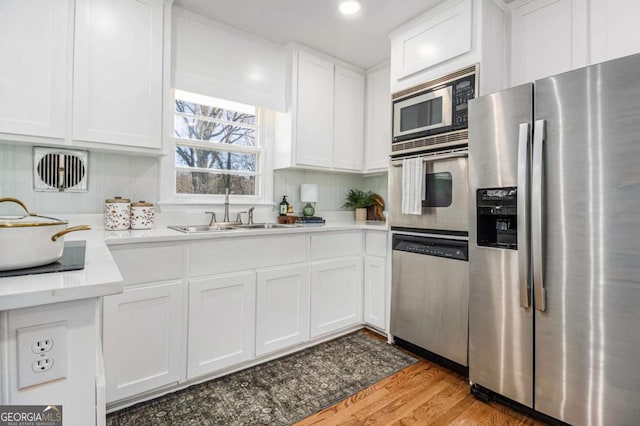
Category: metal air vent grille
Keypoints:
(60, 170)
(434, 83)
(444, 140)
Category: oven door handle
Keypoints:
(433, 157)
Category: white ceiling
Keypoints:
(360, 40)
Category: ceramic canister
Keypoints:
(142, 215)
(117, 214)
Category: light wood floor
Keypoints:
(422, 394)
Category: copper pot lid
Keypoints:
(28, 219)
(141, 204)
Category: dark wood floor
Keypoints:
(422, 394)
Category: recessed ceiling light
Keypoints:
(349, 7)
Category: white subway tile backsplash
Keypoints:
(137, 177)
(332, 187)
(109, 175)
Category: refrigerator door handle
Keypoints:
(537, 200)
(524, 159)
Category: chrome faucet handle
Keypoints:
(213, 217)
(251, 215)
(239, 217)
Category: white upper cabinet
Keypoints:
(547, 37)
(324, 125)
(348, 119)
(314, 111)
(451, 36)
(615, 30)
(553, 36)
(443, 35)
(117, 91)
(34, 53)
(378, 122)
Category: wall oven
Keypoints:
(433, 113)
(444, 194)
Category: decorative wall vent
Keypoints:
(60, 170)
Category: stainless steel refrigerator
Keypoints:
(554, 244)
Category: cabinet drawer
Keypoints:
(241, 254)
(376, 244)
(148, 263)
(324, 246)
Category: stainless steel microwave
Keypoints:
(431, 109)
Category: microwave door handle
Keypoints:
(524, 159)
(537, 226)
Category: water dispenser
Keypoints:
(497, 218)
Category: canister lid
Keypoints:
(141, 204)
(117, 200)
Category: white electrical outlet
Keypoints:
(42, 364)
(42, 353)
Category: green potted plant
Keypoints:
(359, 201)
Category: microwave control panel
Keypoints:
(463, 90)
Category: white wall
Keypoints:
(109, 175)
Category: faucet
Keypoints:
(226, 205)
(213, 217)
(249, 214)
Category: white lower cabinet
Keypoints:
(142, 339)
(375, 282)
(195, 309)
(282, 307)
(221, 322)
(336, 294)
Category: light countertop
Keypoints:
(100, 277)
(162, 233)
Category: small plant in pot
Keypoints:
(359, 200)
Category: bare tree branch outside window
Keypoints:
(215, 149)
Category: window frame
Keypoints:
(264, 163)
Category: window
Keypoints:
(217, 146)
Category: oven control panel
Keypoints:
(431, 246)
(463, 91)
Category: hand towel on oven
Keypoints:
(412, 185)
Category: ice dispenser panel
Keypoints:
(497, 217)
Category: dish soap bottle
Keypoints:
(284, 206)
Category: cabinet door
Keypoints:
(547, 37)
(442, 35)
(378, 131)
(348, 119)
(221, 322)
(117, 95)
(314, 112)
(336, 294)
(33, 48)
(282, 307)
(375, 278)
(142, 345)
(614, 29)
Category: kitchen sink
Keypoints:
(191, 229)
(265, 226)
(216, 227)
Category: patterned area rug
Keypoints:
(279, 392)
